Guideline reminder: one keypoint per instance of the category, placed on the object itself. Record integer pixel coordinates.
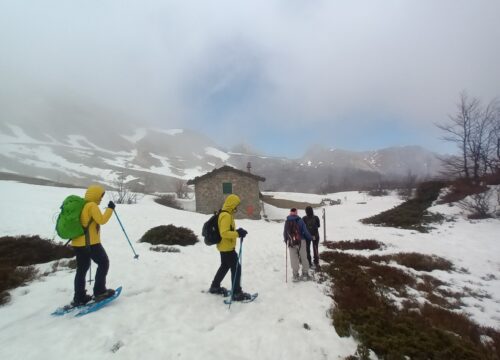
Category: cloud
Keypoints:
(244, 67)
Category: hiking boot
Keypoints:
(306, 277)
(296, 278)
(81, 301)
(104, 295)
(219, 290)
(242, 296)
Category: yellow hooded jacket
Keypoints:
(91, 211)
(227, 226)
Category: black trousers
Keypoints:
(83, 257)
(315, 251)
(228, 260)
(315, 244)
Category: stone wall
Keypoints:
(210, 197)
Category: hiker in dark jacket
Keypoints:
(313, 224)
(297, 251)
(88, 247)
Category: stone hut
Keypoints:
(212, 189)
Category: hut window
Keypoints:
(227, 188)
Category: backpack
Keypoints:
(68, 224)
(293, 233)
(210, 231)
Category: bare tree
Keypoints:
(478, 205)
(495, 140)
(123, 194)
(458, 132)
(474, 129)
(482, 140)
(408, 185)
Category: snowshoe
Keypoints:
(106, 294)
(82, 301)
(219, 291)
(242, 296)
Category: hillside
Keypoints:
(71, 145)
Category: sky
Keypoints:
(279, 75)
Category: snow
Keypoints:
(123, 160)
(162, 313)
(138, 134)
(19, 136)
(171, 132)
(141, 133)
(216, 153)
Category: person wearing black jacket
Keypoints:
(312, 224)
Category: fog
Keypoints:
(280, 75)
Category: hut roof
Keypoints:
(221, 169)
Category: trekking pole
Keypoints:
(286, 263)
(324, 226)
(136, 256)
(236, 274)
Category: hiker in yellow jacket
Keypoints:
(228, 256)
(88, 247)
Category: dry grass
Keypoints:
(411, 214)
(364, 309)
(169, 201)
(17, 254)
(416, 261)
(354, 245)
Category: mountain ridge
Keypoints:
(157, 159)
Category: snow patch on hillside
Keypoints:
(139, 134)
(19, 137)
(171, 132)
(216, 153)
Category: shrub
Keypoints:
(168, 200)
(170, 235)
(29, 250)
(161, 248)
(493, 179)
(354, 245)
(460, 189)
(378, 192)
(478, 205)
(17, 254)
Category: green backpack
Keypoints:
(68, 224)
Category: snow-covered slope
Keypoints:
(85, 149)
(152, 157)
(162, 313)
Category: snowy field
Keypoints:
(162, 313)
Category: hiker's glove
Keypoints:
(111, 205)
(242, 232)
